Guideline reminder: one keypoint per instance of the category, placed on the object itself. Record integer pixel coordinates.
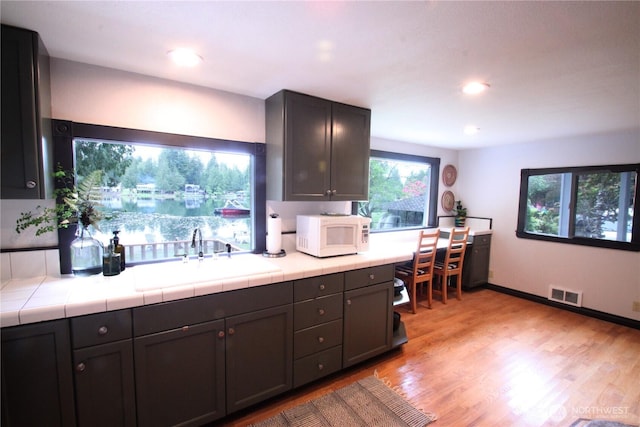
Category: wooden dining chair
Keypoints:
(420, 270)
(453, 262)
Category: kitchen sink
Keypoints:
(177, 273)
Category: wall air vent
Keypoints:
(565, 296)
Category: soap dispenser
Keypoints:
(119, 249)
(111, 261)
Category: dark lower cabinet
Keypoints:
(37, 384)
(368, 315)
(105, 390)
(475, 271)
(180, 376)
(259, 355)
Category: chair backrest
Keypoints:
(457, 247)
(425, 256)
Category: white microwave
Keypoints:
(332, 235)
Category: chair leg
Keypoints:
(459, 287)
(444, 286)
(429, 292)
(414, 303)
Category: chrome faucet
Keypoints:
(193, 243)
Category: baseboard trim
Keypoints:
(619, 320)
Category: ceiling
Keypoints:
(556, 69)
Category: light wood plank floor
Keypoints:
(498, 360)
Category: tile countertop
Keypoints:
(44, 298)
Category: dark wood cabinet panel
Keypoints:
(37, 381)
(368, 322)
(105, 389)
(259, 355)
(27, 154)
(316, 149)
(180, 376)
(475, 271)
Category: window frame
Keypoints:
(64, 132)
(525, 174)
(434, 163)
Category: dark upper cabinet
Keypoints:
(37, 383)
(26, 116)
(316, 149)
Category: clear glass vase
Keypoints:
(86, 254)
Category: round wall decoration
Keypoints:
(449, 175)
(447, 201)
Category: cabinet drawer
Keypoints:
(317, 366)
(319, 286)
(368, 276)
(482, 240)
(100, 328)
(317, 338)
(317, 311)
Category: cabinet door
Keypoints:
(350, 153)
(259, 356)
(180, 376)
(105, 391)
(307, 147)
(475, 271)
(368, 322)
(37, 383)
(24, 163)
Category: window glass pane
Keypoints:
(544, 205)
(157, 196)
(604, 205)
(398, 194)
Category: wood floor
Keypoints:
(498, 360)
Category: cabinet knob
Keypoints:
(333, 192)
(372, 276)
(322, 287)
(320, 340)
(103, 330)
(31, 184)
(80, 367)
(348, 302)
(320, 366)
(232, 331)
(321, 311)
(221, 334)
(327, 193)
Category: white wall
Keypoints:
(490, 184)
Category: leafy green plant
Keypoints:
(79, 205)
(459, 210)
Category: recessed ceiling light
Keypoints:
(471, 130)
(474, 88)
(184, 57)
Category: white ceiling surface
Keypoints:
(556, 69)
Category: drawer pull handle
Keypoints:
(322, 287)
(321, 311)
(31, 184)
(320, 366)
(103, 330)
(221, 334)
(320, 340)
(80, 367)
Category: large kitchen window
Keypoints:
(403, 191)
(592, 206)
(158, 189)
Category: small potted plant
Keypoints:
(461, 214)
(76, 205)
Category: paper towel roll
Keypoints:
(274, 234)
